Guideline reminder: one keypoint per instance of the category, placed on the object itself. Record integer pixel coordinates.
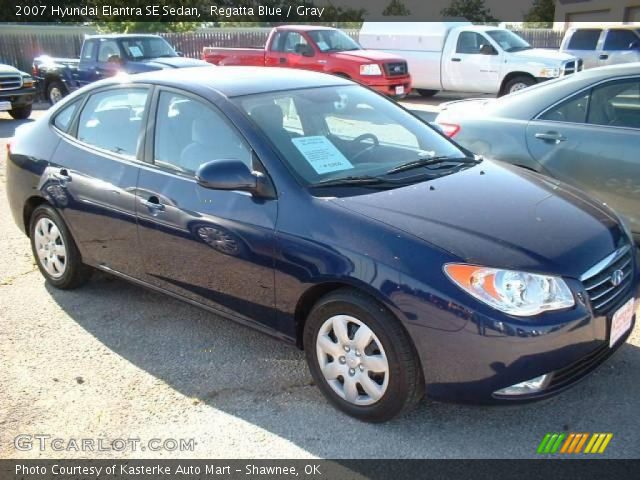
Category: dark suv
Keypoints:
(17, 92)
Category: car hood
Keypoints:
(543, 55)
(500, 216)
(174, 62)
(371, 55)
(8, 69)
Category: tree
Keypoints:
(396, 9)
(473, 10)
(541, 15)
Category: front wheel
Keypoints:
(518, 83)
(21, 113)
(361, 357)
(426, 93)
(55, 251)
(56, 91)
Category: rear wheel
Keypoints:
(56, 91)
(426, 93)
(55, 251)
(361, 357)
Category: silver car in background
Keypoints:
(583, 130)
(602, 46)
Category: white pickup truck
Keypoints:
(461, 57)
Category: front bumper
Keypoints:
(19, 98)
(388, 85)
(494, 351)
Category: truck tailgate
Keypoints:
(234, 56)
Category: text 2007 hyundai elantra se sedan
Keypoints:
(316, 210)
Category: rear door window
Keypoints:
(616, 104)
(619, 39)
(62, 120)
(571, 111)
(585, 39)
(112, 120)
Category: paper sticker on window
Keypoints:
(135, 51)
(321, 154)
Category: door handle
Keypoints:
(153, 203)
(551, 137)
(283, 60)
(62, 175)
(456, 59)
(604, 56)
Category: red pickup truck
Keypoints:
(322, 49)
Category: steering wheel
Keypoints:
(365, 136)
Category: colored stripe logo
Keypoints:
(573, 443)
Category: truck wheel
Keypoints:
(518, 83)
(361, 358)
(21, 113)
(56, 91)
(426, 93)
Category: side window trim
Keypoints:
(73, 130)
(150, 140)
(79, 102)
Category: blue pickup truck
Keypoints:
(104, 56)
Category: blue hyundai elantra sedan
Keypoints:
(315, 210)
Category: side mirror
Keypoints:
(179, 53)
(634, 45)
(487, 49)
(232, 174)
(304, 50)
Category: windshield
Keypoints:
(350, 133)
(143, 48)
(333, 40)
(509, 41)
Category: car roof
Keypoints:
(234, 81)
(121, 35)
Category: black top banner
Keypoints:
(536, 12)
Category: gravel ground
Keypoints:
(115, 361)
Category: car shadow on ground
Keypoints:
(265, 382)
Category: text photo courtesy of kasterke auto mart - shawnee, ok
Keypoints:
(346, 239)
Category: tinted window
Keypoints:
(113, 120)
(89, 50)
(619, 39)
(190, 133)
(616, 104)
(108, 49)
(584, 39)
(573, 110)
(470, 42)
(63, 119)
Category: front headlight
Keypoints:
(370, 69)
(516, 293)
(27, 81)
(549, 72)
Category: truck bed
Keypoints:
(235, 56)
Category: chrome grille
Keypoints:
(395, 69)
(10, 82)
(605, 284)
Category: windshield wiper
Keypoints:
(355, 181)
(425, 162)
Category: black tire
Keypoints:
(426, 93)
(75, 273)
(518, 81)
(21, 113)
(55, 86)
(405, 383)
